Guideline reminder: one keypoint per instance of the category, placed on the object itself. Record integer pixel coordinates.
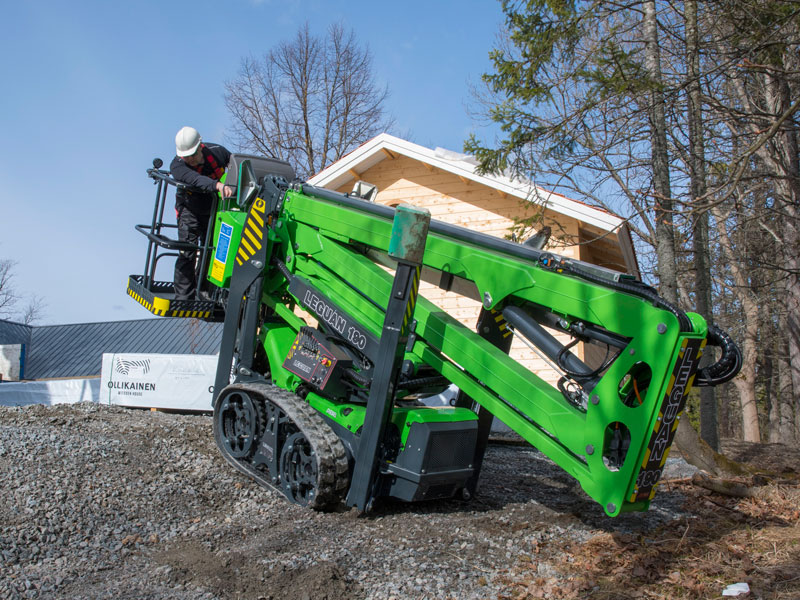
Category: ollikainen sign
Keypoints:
(176, 381)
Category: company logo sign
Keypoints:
(135, 369)
(132, 368)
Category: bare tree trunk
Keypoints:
(665, 234)
(782, 156)
(787, 166)
(709, 428)
(775, 436)
(793, 318)
(786, 428)
(726, 418)
(769, 375)
(745, 381)
(791, 148)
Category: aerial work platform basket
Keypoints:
(158, 297)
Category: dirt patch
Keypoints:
(242, 575)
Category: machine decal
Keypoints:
(337, 320)
(501, 323)
(325, 312)
(253, 237)
(664, 431)
(221, 254)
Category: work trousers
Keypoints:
(191, 228)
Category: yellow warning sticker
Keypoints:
(217, 271)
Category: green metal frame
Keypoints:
(328, 237)
(326, 243)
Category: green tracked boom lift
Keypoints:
(332, 413)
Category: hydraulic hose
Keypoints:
(358, 377)
(729, 363)
(550, 346)
(423, 382)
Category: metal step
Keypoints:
(159, 298)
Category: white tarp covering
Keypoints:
(57, 391)
(10, 361)
(176, 381)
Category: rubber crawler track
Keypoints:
(332, 465)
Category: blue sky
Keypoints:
(93, 90)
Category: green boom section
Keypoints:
(333, 238)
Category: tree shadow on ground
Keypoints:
(697, 544)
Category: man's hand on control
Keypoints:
(225, 190)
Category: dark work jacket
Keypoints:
(201, 199)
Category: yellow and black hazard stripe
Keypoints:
(157, 306)
(253, 232)
(502, 325)
(197, 314)
(161, 306)
(665, 426)
(412, 299)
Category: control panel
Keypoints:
(318, 361)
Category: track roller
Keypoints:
(277, 439)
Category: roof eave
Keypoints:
(342, 171)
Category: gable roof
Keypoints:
(386, 146)
(77, 350)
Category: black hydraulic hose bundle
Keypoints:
(634, 288)
(729, 363)
(529, 328)
(358, 377)
(603, 366)
(423, 382)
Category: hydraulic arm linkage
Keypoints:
(332, 412)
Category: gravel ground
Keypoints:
(103, 502)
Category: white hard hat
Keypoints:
(186, 141)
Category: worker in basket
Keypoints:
(200, 166)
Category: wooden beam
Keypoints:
(427, 166)
(463, 179)
(354, 173)
(389, 153)
(500, 193)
